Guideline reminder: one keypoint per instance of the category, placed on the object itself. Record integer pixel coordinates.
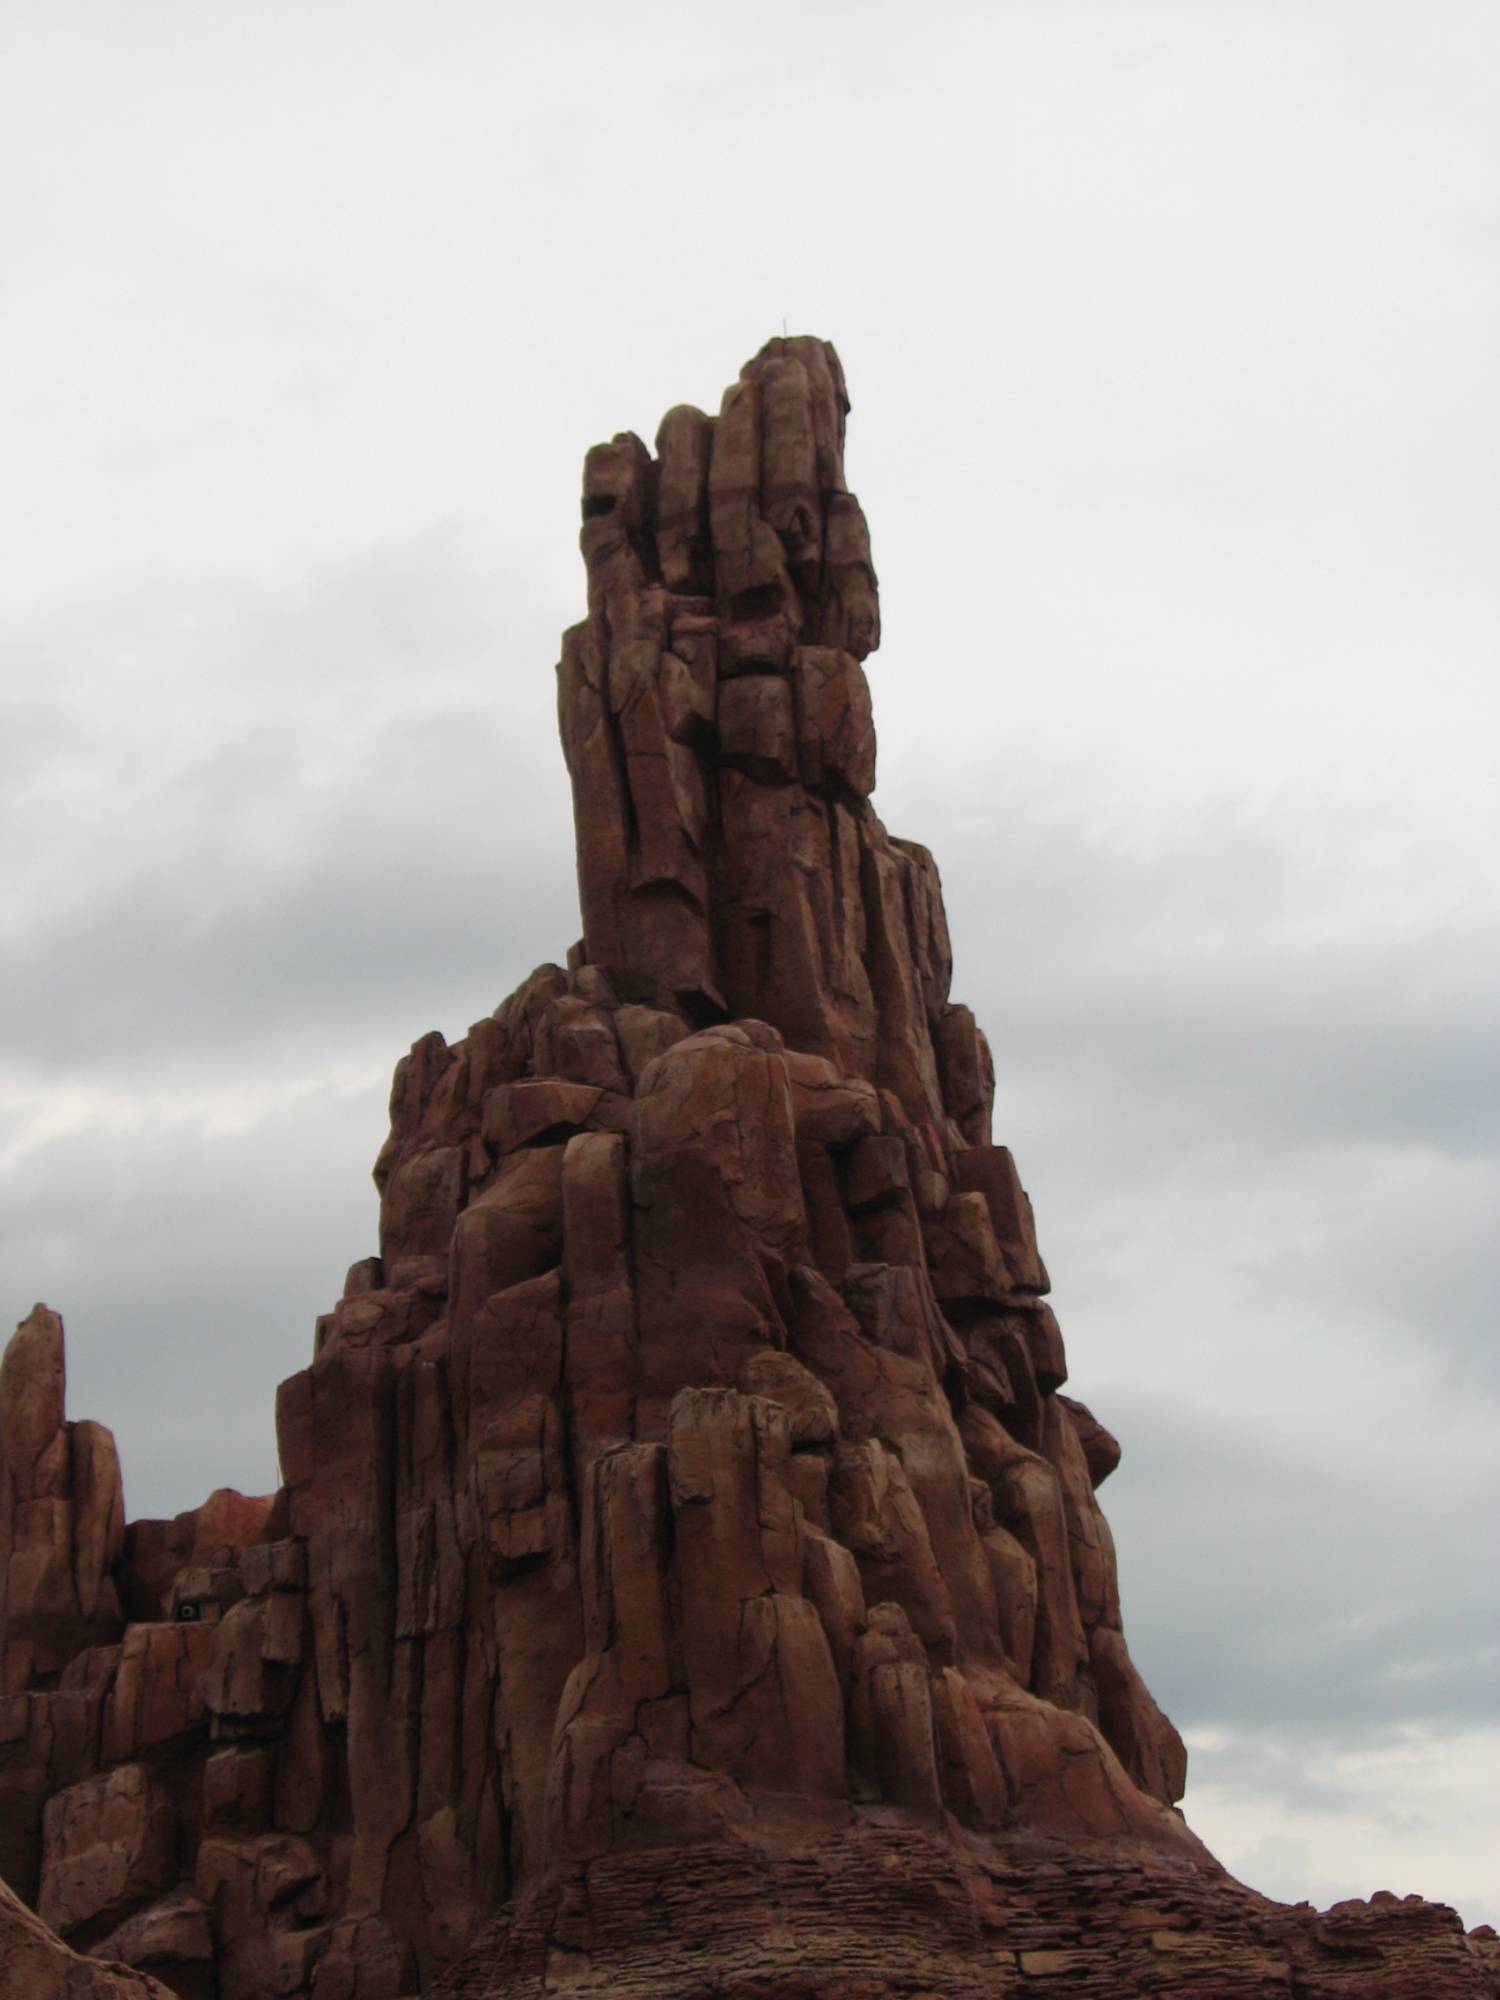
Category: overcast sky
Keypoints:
(1170, 334)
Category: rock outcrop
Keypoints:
(36, 1965)
(688, 1575)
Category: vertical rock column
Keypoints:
(717, 727)
(62, 1515)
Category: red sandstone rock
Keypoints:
(1101, 1450)
(62, 1519)
(109, 1844)
(36, 1965)
(688, 1576)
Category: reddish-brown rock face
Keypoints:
(688, 1574)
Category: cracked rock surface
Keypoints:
(687, 1576)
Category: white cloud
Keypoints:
(1298, 1823)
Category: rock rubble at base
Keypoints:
(687, 1575)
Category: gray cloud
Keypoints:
(311, 862)
(188, 1266)
(1280, 1591)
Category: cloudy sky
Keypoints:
(1169, 330)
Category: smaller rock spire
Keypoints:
(62, 1515)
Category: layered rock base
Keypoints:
(688, 1575)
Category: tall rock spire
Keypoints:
(687, 1575)
(716, 718)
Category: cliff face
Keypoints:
(688, 1574)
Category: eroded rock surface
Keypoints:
(36, 1965)
(688, 1575)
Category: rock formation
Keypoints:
(688, 1575)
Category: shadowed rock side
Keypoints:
(36, 1965)
(688, 1576)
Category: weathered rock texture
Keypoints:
(36, 1965)
(688, 1575)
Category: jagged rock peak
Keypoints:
(687, 1576)
(715, 715)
